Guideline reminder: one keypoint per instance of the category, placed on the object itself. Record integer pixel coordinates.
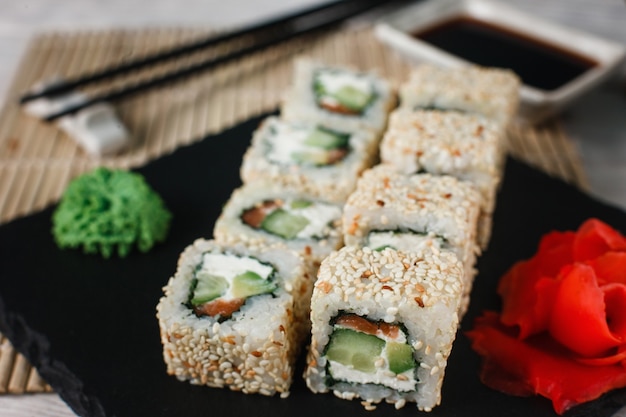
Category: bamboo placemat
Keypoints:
(37, 160)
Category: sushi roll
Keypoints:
(466, 146)
(234, 316)
(412, 212)
(339, 98)
(274, 213)
(320, 161)
(490, 92)
(383, 324)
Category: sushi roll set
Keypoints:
(375, 263)
(301, 167)
(331, 123)
(412, 212)
(386, 308)
(462, 145)
(454, 122)
(236, 312)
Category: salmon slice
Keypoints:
(254, 216)
(358, 323)
(223, 308)
(338, 108)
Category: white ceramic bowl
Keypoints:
(536, 105)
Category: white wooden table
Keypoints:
(597, 122)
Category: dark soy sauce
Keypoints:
(537, 63)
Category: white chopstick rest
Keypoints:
(97, 129)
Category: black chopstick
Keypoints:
(70, 84)
(353, 8)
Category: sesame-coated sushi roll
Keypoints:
(339, 98)
(490, 92)
(234, 316)
(408, 212)
(468, 147)
(383, 324)
(275, 213)
(320, 161)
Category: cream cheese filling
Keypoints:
(319, 216)
(333, 81)
(402, 241)
(229, 266)
(382, 375)
(286, 141)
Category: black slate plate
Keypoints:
(89, 324)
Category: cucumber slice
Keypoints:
(208, 287)
(326, 139)
(300, 204)
(310, 158)
(284, 224)
(250, 283)
(400, 357)
(356, 349)
(353, 98)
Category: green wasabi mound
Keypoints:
(107, 209)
